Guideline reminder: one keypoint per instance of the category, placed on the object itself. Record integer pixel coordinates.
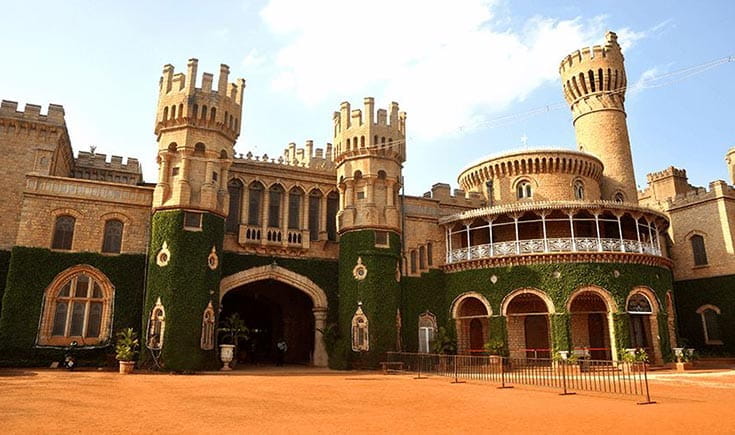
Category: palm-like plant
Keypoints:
(126, 346)
(233, 329)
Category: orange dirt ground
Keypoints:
(300, 400)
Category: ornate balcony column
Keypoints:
(571, 228)
(264, 215)
(518, 244)
(597, 227)
(658, 239)
(467, 228)
(490, 231)
(638, 232)
(543, 226)
(620, 232)
(448, 245)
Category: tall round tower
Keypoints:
(370, 148)
(594, 85)
(196, 128)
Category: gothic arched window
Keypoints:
(332, 209)
(274, 206)
(524, 190)
(427, 330)
(360, 335)
(295, 197)
(711, 324)
(112, 242)
(255, 201)
(315, 199)
(63, 232)
(578, 190)
(156, 327)
(77, 307)
(207, 339)
(698, 250)
(234, 188)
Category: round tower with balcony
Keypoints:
(196, 129)
(370, 148)
(594, 84)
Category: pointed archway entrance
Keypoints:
(264, 291)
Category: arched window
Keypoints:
(156, 327)
(113, 236)
(619, 198)
(710, 323)
(207, 339)
(234, 188)
(414, 261)
(578, 190)
(429, 254)
(315, 199)
(638, 303)
(360, 336)
(422, 257)
(199, 149)
(213, 116)
(165, 113)
(63, 232)
(524, 190)
(332, 209)
(77, 307)
(274, 206)
(294, 208)
(698, 251)
(255, 200)
(427, 331)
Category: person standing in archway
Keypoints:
(281, 348)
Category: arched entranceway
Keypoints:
(279, 303)
(590, 322)
(642, 309)
(527, 312)
(471, 312)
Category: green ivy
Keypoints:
(186, 285)
(692, 294)
(379, 293)
(30, 273)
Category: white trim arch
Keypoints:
(612, 307)
(458, 301)
(527, 290)
(649, 294)
(300, 282)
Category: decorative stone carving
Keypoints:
(212, 259)
(163, 256)
(359, 271)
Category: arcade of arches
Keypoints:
(528, 315)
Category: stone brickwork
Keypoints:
(91, 203)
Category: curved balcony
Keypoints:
(552, 228)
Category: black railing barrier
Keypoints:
(569, 376)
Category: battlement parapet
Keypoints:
(99, 160)
(717, 189)
(358, 131)
(32, 112)
(610, 51)
(182, 104)
(671, 171)
(348, 118)
(442, 192)
(95, 166)
(307, 157)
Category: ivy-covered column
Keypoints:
(184, 272)
(621, 322)
(560, 334)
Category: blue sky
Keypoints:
(455, 67)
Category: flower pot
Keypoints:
(126, 367)
(226, 354)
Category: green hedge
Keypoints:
(31, 271)
(690, 295)
(4, 265)
(379, 293)
(186, 285)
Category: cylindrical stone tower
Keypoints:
(594, 85)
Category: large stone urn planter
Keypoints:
(226, 354)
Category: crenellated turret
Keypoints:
(369, 153)
(196, 129)
(594, 82)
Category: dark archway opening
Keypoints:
(272, 310)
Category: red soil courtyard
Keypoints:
(298, 400)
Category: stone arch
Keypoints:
(527, 290)
(650, 294)
(604, 294)
(300, 282)
(457, 302)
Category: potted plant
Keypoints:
(233, 329)
(684, 358)
(126, 348)
(495, 348)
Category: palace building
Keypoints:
(538, 251)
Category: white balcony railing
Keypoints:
(551, 245)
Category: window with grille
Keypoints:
(294, 209)
(274, 206)
(255, 200)
(234, 188)
(315, 199)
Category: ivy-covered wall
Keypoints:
(185, 285)
(31, 271)
(692, 294)
(435, 291)
(379, 293)
(4, 265)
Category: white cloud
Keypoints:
(445, 62)
(253, 60)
